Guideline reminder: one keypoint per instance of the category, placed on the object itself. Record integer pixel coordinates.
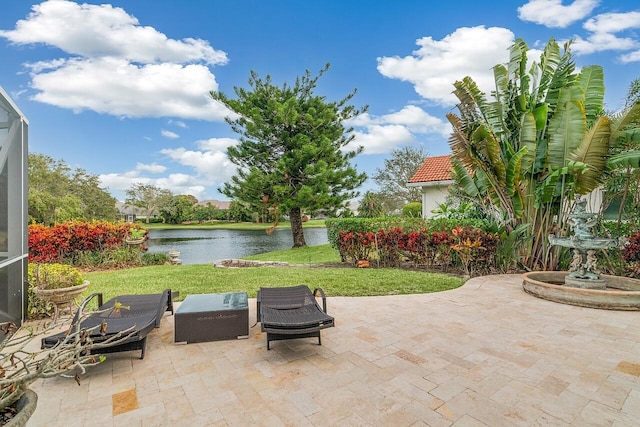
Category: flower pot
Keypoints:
(134, 242)
(25, 407)
(363, 263)
(61, 296)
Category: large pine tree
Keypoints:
(292, 153)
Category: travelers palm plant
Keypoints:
(541, 139)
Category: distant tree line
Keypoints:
(153, 201)
(58, 193)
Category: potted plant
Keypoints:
(22, 361)
(58, 284)
(136, 236)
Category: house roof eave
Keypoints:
(430, 183)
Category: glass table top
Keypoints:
(213, 302)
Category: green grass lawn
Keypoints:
(336, 281)
(320, 254)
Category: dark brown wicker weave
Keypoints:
(292, 312)
(140, 312)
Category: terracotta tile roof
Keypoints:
(217, 203)
(436, 168)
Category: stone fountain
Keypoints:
(583, 284)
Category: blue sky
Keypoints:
(120, 89)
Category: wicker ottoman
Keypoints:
(212, 317)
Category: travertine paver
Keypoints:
(486, 354)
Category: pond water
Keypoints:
(207, 245)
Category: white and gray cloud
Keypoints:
(437, 64)
(554, 14)
(209, 161)
(177, 183)
(115, 65)
(152, 168)
(381, 134)
(178, 123)
(103, 30)
(210, 164)
(611, 31)
(169, 134)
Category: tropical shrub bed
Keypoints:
(469, 245)
(96, 244)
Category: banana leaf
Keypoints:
(486, 144)
(513, 172)
(517, 56)
(458, 141)
(551, 188)
(622, 122)
(591, 80)
(592, 151)
(625, 159)
(528, 139)
(463, 177)
(567, 127)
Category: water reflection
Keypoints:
(206, 246)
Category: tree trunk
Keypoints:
(295, 217)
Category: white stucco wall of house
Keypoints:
(433, 194)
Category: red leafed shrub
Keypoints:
(470, 249)
(65, 241)
(391, 245)
(356, 246)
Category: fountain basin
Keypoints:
(584, 244)
(621, 293)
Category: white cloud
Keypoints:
(418, 121)
(210, 165)
(216, 144)
(103, 30)
(120, 182)
(382, 134)
(117, 66)
(381, 138)
(630, 57)
(152, 168)
(178, 123)
(210, 161)
(604, 28)
(600, 42)
(553, 14)
(117, 87)
(177, 183)
(169, 134)
(613, 22)
(437, 64)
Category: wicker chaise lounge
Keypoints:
(138, 314)
(292, 312)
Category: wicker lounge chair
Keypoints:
(292, 312)
(139, 315)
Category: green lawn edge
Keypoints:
(335, 281)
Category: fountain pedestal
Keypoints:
(585, 283)
(583, 271)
